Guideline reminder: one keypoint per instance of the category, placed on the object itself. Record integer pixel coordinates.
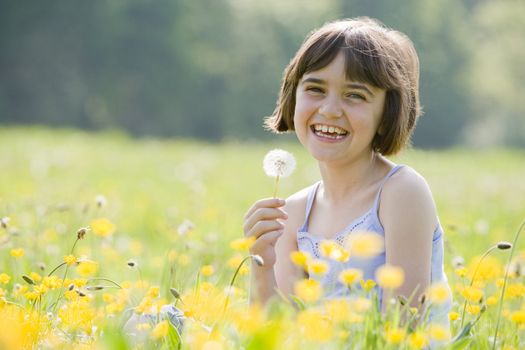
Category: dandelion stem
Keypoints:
(276, 186)
(505, 283)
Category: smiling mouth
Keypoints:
(328, 131)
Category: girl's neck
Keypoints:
(343, 180)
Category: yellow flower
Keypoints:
(102, 227)
(438, 293)
(318, 267)
(332, 250)
(395, 335)
(438, 332)
(4, 278)
(70, 259)
(453, 315)
(350, 276)
(472, 294)
(300, 259)
(518, 317)
(308, 290)
(242, 244)
(234, 263)
(364, 244)
(473, 309)
(87, 268)
(361, 305)
(172, 255)
(35, 277)
(160, 330)
(314, 325)
(248, 320)
(153, 292)
(515, 290)
(390, 277)
(461, 272)
(184, 259)
(487, 269)
(207, 270)
(417, 340)
(367, 285)
(337, 309)
(492, 300)
(17, 253)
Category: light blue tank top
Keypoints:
(369, 221)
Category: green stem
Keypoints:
(505, 283)
(233, 281)
(105, 279)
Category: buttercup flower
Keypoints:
(102, 227)
(364, 244)
(309, 290)
(390, 277)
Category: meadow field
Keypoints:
(164, 224)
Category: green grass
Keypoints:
(49, 180)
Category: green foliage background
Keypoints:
(211, 69)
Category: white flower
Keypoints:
(279, 163)
(101, 201)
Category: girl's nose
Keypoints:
(331, 108)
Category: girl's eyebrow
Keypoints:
(358, 86)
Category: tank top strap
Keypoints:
(309, 202)
(388, 176)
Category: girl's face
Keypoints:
(335, 118)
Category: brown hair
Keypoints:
(374, 54)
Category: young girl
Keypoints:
(351, 96)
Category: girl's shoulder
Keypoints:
(407, 191)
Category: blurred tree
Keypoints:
(496, 74)
(212, 69)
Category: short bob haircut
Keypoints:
(374, 54)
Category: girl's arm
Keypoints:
(278, 272)
(408, 215)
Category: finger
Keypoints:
(264, 214)
(264, 226)
(266, 239)
(265, 203)
(271, 237)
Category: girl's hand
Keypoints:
(263, 221)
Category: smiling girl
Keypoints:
(351, 96)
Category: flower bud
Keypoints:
(82, 232)
(28, 279)
(258, 260)
(504, 245)
(175, 293)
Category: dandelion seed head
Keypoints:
(279, 163)
(4, 221)
(101, 201)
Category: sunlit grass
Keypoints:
(163, 214)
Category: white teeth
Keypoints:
(331, 129)
(324, 128)
(318, 127)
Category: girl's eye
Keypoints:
(355, 96)
(314, 89)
